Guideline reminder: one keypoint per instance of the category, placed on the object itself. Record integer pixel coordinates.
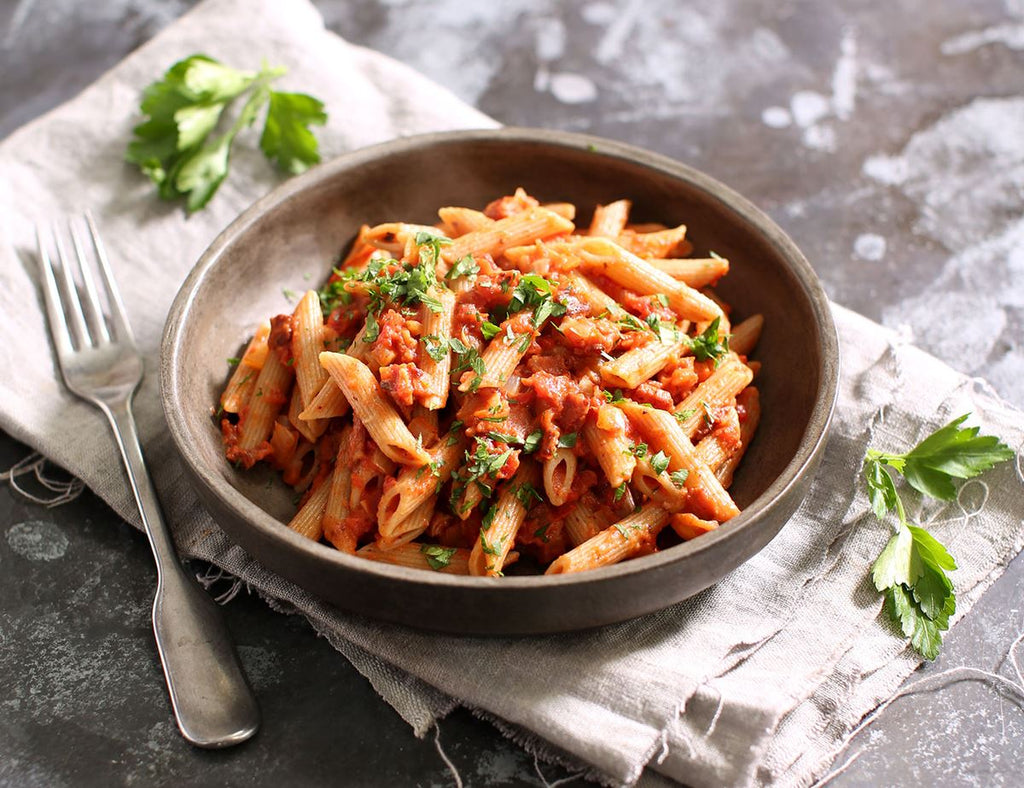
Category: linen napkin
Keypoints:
(752, 681)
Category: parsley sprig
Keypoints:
(534, 292)
(178, 145)
(709, 344)
(911, 569)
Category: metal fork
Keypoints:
(212, 701)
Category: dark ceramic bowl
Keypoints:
(288, 240)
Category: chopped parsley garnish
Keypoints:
(234, 361)
(532, 442)
(542, 533)
(619, 492)
(614, 396)
(679, 477)
(482, 463)
(489, 330)
(534, 292)
(489, 549)
(526, 493)
(638, 450)
(433, 243)
(709, 345)
(436, 346)
(372, 328)
(465, 267)
(334, 294)
(290, 295)
(709, 416)
(684, 414)
(630, 323)
(469, 358)
(438, 557)
(567, 440)
(659, 462)
(661, 298)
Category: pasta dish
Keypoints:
(503, 386)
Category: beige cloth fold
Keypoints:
(752, 681)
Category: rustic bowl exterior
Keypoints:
(288, 240)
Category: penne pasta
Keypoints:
(515, 230)
(630, 271)
(707, 496)
(308, 521)
(625, 539)
(731, 377)
(635, 366)
(307, 342)
(745, 335)
(368, 402)
(437, 558)
(497, 536)
(610, 220)
(435, 358)
(243, 380)
(559, 472)
(503, 384)
(696, 273)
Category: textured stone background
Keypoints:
(886, 138)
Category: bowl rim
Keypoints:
(172, 353)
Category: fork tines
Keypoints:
(79, 315)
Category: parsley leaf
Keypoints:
(286, 138)
(534, 292)
(532, 442)
(679, 477)
(436, 346)
(438, 557)
(372, 328)
(614, 396)
(526, 493)
(567, 440)
(949, 453)
(709, 345)
(465, 267)
(911, 569)
(177, 145)
(489, 330)
(659, 462)
(234, 361)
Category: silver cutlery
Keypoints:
(99, 361)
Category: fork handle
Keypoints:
(212, 700)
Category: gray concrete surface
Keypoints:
(886, 138)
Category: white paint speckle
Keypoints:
(613, 41)
(572, 88)
(1009, 35)
(777, 117)
(820, 137)
(550, 39)
(869, 246)
(599, 13)
(37, 540)
(844, 77)
(965, 172)
(889, 170)
(961, 328)
(808, 108)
